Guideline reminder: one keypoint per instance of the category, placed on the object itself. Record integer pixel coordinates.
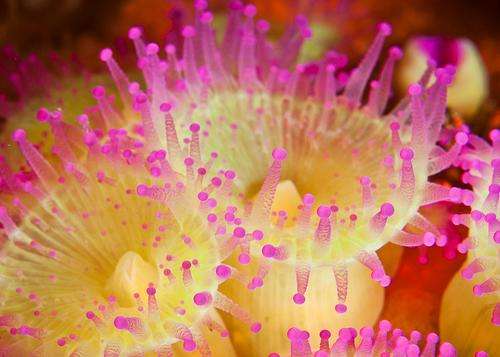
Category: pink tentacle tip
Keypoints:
(414, 90)
(230, 175)
(406, 154)
(152, 49)
(385, 28)
(189, 345)
(188, 31)
(43, 115)
(299, 298)
(120, 322)
(340, 308)
(165, 107)
(194, 128)
(387, 209)
(494, 135)
(308, 199)
(396, 52)
(106, 54)
(395, 126)
(239, 232)
(433, 337)
(257, 235)
(429, 239)
(142, 190)
(268, 251)
(325, 334)
(263, 26)
(256, 327)
(365, 181)
(223, 271)
(447, 350)
(244, 259)
(324, 211)
(496, 237)
(250, 11)
(202, 299)
(98, 92)
(279, 154)
(170, 49)
(19, 135)
(306, 32)
(444, 77)
(207, 17)
(385, 325)
(134, 33)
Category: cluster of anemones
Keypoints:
(232, 162)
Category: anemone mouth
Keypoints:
(131, 275)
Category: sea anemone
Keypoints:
(325, 176)
(109, 250)
(350, 176)
(477, 285)
(386, 341)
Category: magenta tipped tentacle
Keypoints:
(357, 82)
(341, 280)
(120, 78)
(302, 273)
(324, 230)
(379, 95)
(266, 195)
(247, 57)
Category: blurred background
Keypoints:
(80, 28)
(85, 26)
